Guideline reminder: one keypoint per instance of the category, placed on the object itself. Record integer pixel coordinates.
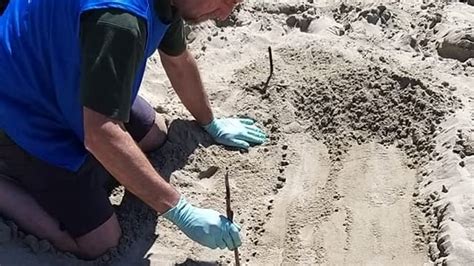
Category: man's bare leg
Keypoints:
(101, 239)
(156, 136)
(18, 205)
(22, 208)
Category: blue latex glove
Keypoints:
(235, 132)
(207, 227)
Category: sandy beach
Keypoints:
(370, 159)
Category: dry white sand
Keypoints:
(370, 156)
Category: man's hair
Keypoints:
(3, 5)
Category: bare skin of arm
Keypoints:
(183, 74)
(119, 154)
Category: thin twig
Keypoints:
(271, 68)
(230, 213)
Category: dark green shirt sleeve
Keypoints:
(174, 41)
(112, 48)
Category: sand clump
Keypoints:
(465, 144)
(421, 28)
(457, 44)
(302, 22)
(9, 232)
(377, 15)
(470, 2)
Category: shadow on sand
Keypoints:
(190, 262)
(139, 221)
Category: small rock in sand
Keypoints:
(304, 24)
(208, 173)
(457, 148)
(457, 44)
(468, 147)
(291, 21)
(381, 8)
(444, 189)
(372, 18)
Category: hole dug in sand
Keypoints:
(361, 135)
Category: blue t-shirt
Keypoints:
(40, 58)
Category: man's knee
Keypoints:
(100, 240)
(156, 137)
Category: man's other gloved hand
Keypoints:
(235, 132)
(205, 226)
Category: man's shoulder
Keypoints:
(115, 18)
(166, 12)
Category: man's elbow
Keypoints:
(176, 61)
(90, 140)
(98, 129)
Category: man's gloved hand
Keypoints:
(235, 132)
(205, 226)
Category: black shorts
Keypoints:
(78, 200)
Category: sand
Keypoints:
(370, 159)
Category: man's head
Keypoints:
(196, 11)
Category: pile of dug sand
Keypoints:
(370, 157)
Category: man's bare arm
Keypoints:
(183, 74)
(118, 153)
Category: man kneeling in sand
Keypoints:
(70, 117)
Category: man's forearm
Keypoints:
(118, 153)
(183, 74)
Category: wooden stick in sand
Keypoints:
(270, 57)
(230, 213)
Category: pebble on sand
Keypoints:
(457, 44)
